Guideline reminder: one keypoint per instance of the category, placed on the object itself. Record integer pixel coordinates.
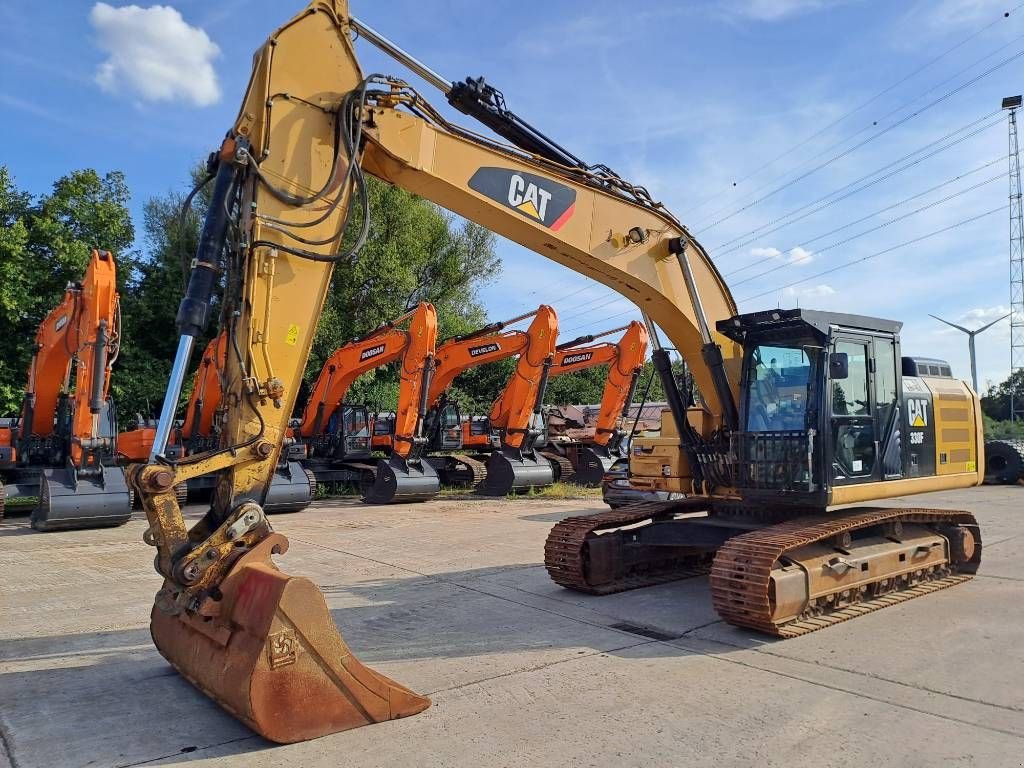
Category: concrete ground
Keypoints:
(451, 599)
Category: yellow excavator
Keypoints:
(799, 410)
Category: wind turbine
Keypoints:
(970, 335)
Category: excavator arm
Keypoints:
(288, 177)
(486, 345)
(625, 359)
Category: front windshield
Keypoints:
(356, 422)
(778, 386)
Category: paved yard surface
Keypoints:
(451, 599)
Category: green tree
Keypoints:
(580, 388)
(996, 402)
(44, 245)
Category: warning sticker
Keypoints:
(292, 337)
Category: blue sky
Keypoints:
(687, 98)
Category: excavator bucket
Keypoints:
(512, 471)
(269, 654)
(591, 464)
(68, 501)
(398, 480)
(291, 489)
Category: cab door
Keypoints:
(852, 411)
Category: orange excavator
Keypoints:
(339, 448)
(495, 454)
(62, 449)
(292, 487)
(592, 457)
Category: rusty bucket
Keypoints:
(269, 653)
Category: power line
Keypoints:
(875, 228)
(876, 254)
(770, 228)
(844, 153)
(856, 109)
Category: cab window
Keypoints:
(850, 395)
(778, 388)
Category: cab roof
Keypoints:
(775, 324)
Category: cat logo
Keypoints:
(366, 354)
(582, 357)
(484, 350)
(535, 197)
(917, 413)
(61, 322)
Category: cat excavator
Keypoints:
(62, 450)
(461, 450)
(799, 410)
(336, 453)
(588, 460)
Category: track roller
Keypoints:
(812, 572)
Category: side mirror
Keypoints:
(838, 365)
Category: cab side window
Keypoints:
(850, 395)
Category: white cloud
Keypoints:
(800, 256)
(797, 256)
(956, 13)
(154, 54)
(981, 316)
(774, 10)
(811, 292)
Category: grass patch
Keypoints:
(563, 491)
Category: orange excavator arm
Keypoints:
(521, 399)
(414, 346)
(487, 345)
(206, 390)
(624, 359)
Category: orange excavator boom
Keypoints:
(625, 359)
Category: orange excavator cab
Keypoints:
(63, 447)
(342, 452)
(509, 434)
(591, 458)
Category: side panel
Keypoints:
(956, 444)
(918, 414)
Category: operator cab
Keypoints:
(350, 434)
(820, 402)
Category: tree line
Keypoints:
(415, 252)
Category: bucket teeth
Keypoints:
(269, 653)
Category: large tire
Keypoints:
(1004, 461)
